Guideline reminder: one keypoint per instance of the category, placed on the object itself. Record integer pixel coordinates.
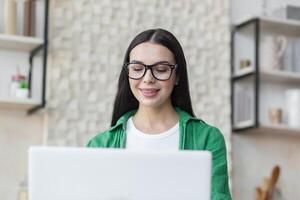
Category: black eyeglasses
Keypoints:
(161, 71)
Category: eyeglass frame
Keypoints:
(172, 66)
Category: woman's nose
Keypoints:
(148, 77)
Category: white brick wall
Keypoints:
(88, 40)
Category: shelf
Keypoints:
(274, 21)
(274, 129)
(18, 104)
(243, 124)
(21, 43)
(275, 24)
(243, 72)
(280, 76)
(279, 24)
(270, 90)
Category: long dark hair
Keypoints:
(180, 97)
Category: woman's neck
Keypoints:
(155, 120)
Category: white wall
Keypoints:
(17, 132)
(240, 9)
(254, 156)
(87, 45)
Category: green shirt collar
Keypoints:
(184, 117)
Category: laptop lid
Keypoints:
(60, 173)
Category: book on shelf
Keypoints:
(30, 18)
(244, 103)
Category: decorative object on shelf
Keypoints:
(10, 17)
(38, 18)
(290, 58)
(293, 107)
(23, 90)
(245, 63)
(266, 190)
(272, 50)
(275, 115)
(23, 190)
(244, 103)
(287, 12)
(28, 18)
(296, 57)
(287, 58)
(19, 86)
(16, 81)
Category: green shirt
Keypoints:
(194, 134)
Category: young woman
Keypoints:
(153, 109)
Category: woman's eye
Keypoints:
(162, 68)
(137, 69)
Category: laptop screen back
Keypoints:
(57, 173)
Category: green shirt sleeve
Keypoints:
(98, 141)
(220, 188)
(91, 144)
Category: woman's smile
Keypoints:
(149, 92)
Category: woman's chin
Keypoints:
(152, 103)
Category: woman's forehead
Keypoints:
(148, 52)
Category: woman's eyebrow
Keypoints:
(159, 62)
(136, 61)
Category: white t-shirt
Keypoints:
(137, 140)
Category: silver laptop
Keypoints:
(60, 173)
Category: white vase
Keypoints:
(22, 93)
(293, 107)
(10, 17)
(272, 49)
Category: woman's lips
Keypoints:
(149, 92)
